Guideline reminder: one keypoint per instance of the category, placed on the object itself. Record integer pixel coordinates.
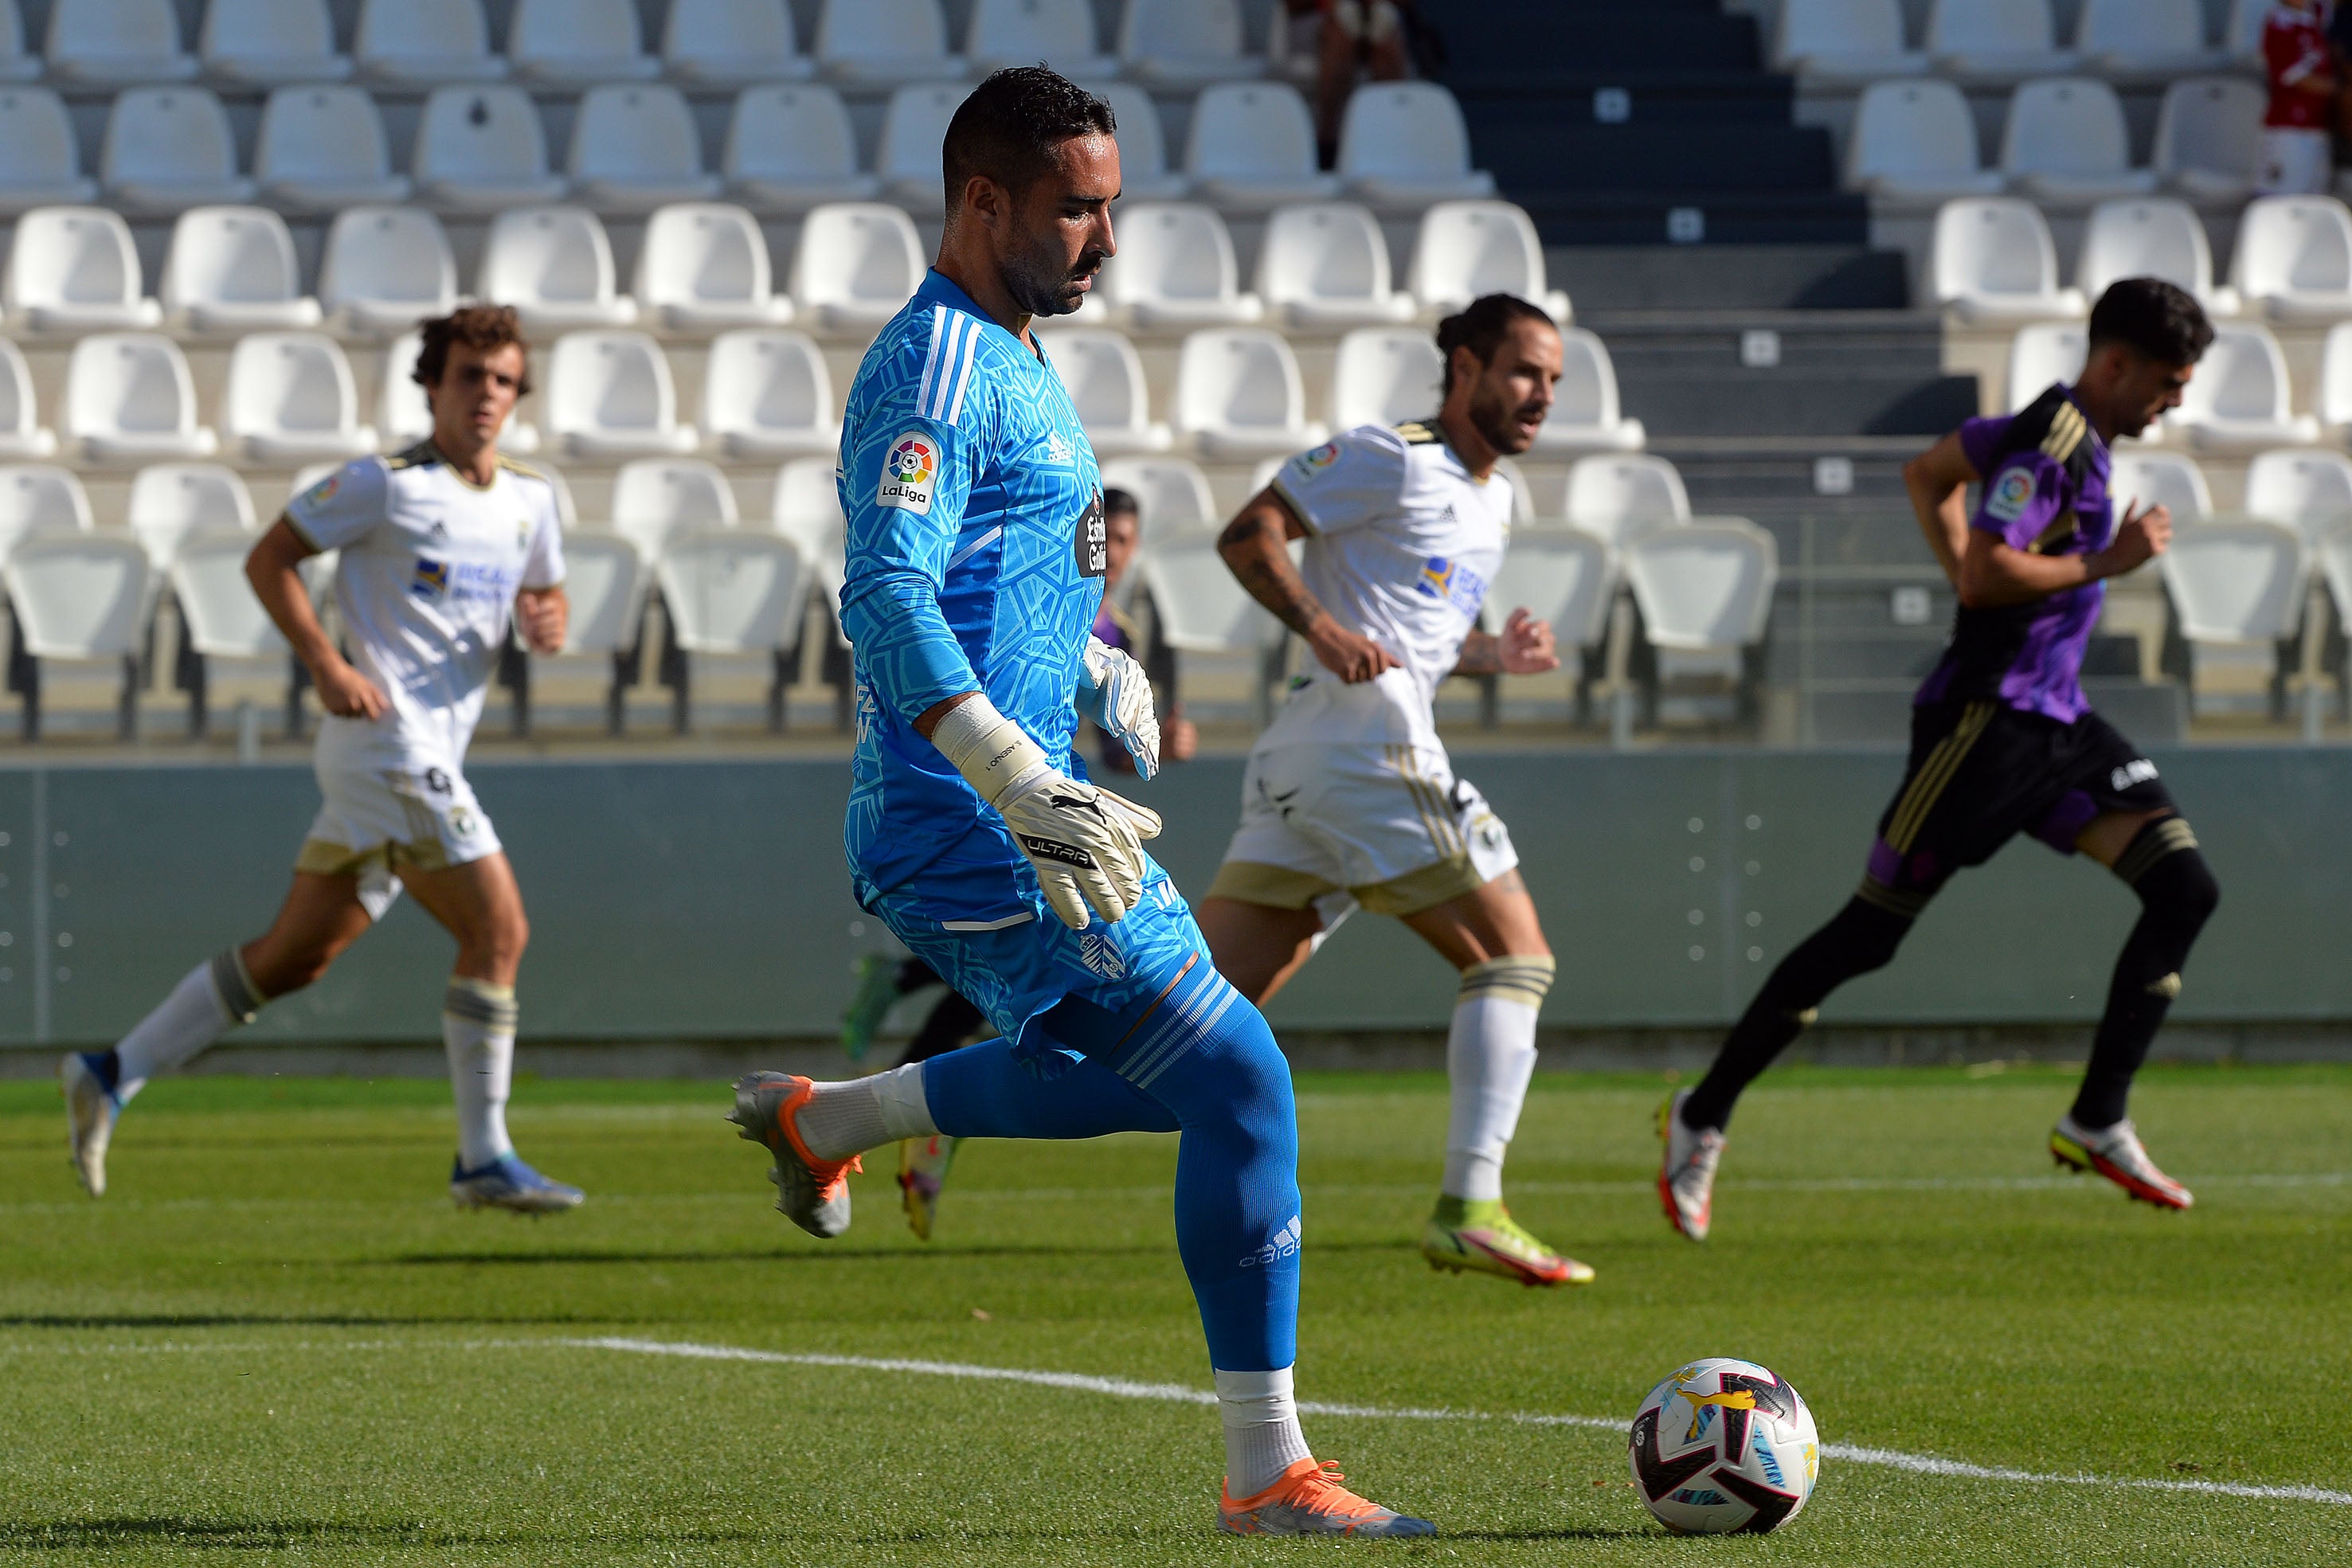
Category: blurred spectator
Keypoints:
(1350, 40)
(2297, 153)
(1123, 523)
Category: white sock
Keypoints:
(208, 1001)
(861, 1114)
(1262, 1435)
(1490, 1054)
(477, 1028)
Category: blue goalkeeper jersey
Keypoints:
(976, 552)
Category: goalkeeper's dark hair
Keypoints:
(2151, 317)
(1481, 327)
(481, 328)
(1013, 126)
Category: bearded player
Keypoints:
(443, 547)
(976, 557)
(1350, 799)
(2002, 743)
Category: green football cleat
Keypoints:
(1481, 1235)
(869, 1004)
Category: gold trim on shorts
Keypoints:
(323, 857)
(1273, 886)
(1427, 888)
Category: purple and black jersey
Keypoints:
(2045, 491)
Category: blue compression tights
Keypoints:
(1201, 1062)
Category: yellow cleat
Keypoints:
(1483, 1237)
(922, 1171)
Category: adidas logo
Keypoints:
(1284, 1245)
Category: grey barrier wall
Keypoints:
(706, 900)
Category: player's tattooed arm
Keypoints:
(1256, 548)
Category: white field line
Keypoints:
(1177, 1394)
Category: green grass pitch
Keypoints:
(276, 1342)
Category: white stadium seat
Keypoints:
(604, 581)
(1060, 33)
(426, 43)
(1705, 590)
(731, 43)
(2335, 399)
(1104, 376)
(654, 499)
(1171, 493)
(1184, 43)
(21, 432)
(2040, 353)
(40, 162)
(271, 42)
(555, 266)
(1143, 170)
(323, 149)
(1843, 42)
(792, 148)
(233, 270)
(1253, 148)
(2150, 237)
(2332, 555)
(766, 396)
(1616, 496)
(130, 399)
(578, 43)
(1385, 375)
(16, 64)
(80, 600)
(2065, 141)
(2209, 137)
(1467, 249)
(218, 609)
(482, 149)
(2239, 399)
(1239, 395)
(1565, 578)
(37, 498)
(168, 149)
(171, 503)
(1200, 607)
(1915, 142)
(403, 416)
(2167, 479)
(1995, 40)
(74, 269)
(907, 159)
(2233, 585)
(732, 591)
(1325, 264)
(1403, 147)
(2155, 39)
(1175, 270)
(115, 43)
(1585, 415)
(703, 267)
(609, 395)
(884, 42)
(859, 263)
(805, 507)
(290, 399)
(633, 149)
(384, 269)
(2294, 261)
(1993, 260)
(2307, 488)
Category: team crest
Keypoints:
(907, 471)
(432, 579)
(1101, 955)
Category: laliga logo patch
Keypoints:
(1101, 955)
(1311, 463)
(2011, 494)
(319, 494)
(906, 473)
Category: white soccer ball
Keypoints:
(1724, 1445)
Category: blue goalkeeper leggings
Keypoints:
(1199, 1061)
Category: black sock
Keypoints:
(2177, 893)
(1861, 937)
(913, 975)
(948, 1026)
(108, 1064)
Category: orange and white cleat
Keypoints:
(1308, 1500)
(2116, 1154)
(814, 1194)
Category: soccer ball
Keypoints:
(1724, 1445)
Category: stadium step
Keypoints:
(1615, 278)
(1785, 373)
(1501, 41)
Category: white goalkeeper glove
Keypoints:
(1114, 692)
(1084, 843)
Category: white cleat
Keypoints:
(90, 1110)
(1686, 1174)
(2116, 1154)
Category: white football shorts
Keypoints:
(376, 822)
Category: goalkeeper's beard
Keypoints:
(1044, 286)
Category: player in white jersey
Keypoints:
(1350, 799)
(441, 549)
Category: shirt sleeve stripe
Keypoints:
(935, 395)
(931, 359)
(963, 376)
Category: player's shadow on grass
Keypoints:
(268, 1320)
(785, 1253)
(278, 1534)
(1565, 1533)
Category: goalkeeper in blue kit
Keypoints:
(976, 556)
